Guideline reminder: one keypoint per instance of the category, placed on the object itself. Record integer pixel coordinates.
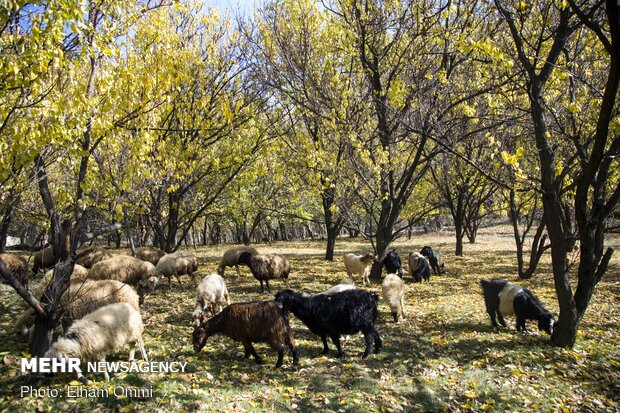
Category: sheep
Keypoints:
(92, 255)
(231, 258)
(435, 258)
(346, 312)
(346, 284)
(17, 266)
(104, 331)
(505, 298)
(176, 264)
(393, 289)
(250, 322)
(359, 264)
(150, 254)
(78, 272)
(266, 267)
(392, 263)
(211, 293)
(82, 297)
(419, 268)
(130, 270)
(43, 259)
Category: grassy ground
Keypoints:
(444, 357)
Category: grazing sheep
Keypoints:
(359, 264)
(78, 272)
(17, 266)
(177, 263)
(505, 298)
(130, 270)
(251, 322)
(43, 259)
(345, 284)
(266, 267)
(392, 263)
(82, 297)
(419, 267)
(231, 258)
(211, 293)
(92, 255)
(150, 254)
(346, 312)
(435, 258)
(100, 333)
(393, 289)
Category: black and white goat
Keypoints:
(505, 298)
(435, 258)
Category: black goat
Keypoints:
(346, 312)
(435, 258)
(392, 263)
(505, 298)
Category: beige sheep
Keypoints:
(150, 254)
(130, 270)
(104, 331)
(393, 289)
(231, 258)
(17, 266)
(177, 263)
(211, 295)
(92, 255)
(359, 264)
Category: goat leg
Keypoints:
(336, 340)
(325, 348)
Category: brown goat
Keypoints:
(266, 267)
(250, 322)
(17, 266)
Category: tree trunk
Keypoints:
(4, 226)
(383, 243)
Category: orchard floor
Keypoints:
(444, 357)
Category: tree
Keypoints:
(576, 154)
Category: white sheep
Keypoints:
(100, 333)
(211, 295)
(346, 284)
(231, 258)
(177, 263)
(130, 270)
(359, 264)
(82, 297)
(393, 289)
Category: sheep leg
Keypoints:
(268, 289)
(169, 281)
(145, 356)
(82, 379)
(402, 306)
(336, 340)
(178, 277)
(106, 376)
(132, 351)
(238, 272)
(325, 348)
(262, 289)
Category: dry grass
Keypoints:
(444, 357)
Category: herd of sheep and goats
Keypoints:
(101, 306)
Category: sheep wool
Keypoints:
(104, 331)
(211, 294)
(231, 258)
(393, 289)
